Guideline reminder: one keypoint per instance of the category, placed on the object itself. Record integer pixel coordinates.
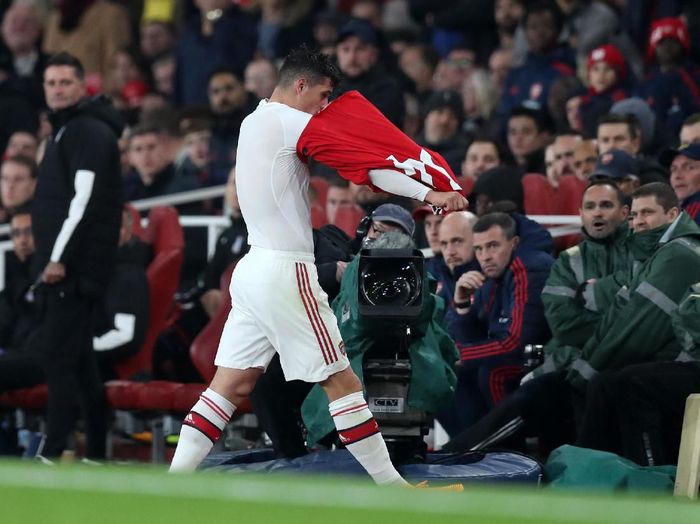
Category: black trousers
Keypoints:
(20, 369)
(545, 407)
(277, 404)
(637, 412)
(66, 328)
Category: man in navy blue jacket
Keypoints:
(498, 310)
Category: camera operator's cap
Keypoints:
(615, 164)
(667, 157)
(361, 29)
(395, 214)
(441, 99)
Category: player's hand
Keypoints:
(467, 284)
(449, 201)
(340, 268)
(53, 272)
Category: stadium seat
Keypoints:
(320, 184)
(540, 197)
(347, 217)
(318, 216)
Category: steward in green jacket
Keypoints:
(638, 327)
(585, 278)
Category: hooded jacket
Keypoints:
(76, 213)
(638, 328)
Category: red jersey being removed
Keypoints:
(352, 136)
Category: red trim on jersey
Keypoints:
(204, 426)
(693, 209)
(690, 84)
(215, 408)
(360, 432)
(512, 341)
(352, 409)
(312, 320)
(314, 305)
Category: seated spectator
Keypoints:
(358, 59)
(260, 77)
(618, 166)
(623, 131)
(606, 85)
(153, 173)
(690, 131)
(219, 35)
(454, 69)
(497, 310)
(529, 84)
(479, 100)
(527, 136)
(230, 104)
(22, 143)
(635, 329)
(20, 362)
(482, 154)
(418, 63)
(429, 235)
(671, 87)
(156, 38)
(163, 73)
(563, 148)
(684, 164)
(585, 158)
(441, 128)
(196, 162)
(122, 327)
(17, 181)
(338, 195)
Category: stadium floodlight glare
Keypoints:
(390, 283)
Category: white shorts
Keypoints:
(279, 306)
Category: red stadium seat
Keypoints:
(320, 184)
(318, 216)
(347, 217)
(540, 198)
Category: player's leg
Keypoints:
(356, 426)
(207, 419)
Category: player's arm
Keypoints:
(398, 183)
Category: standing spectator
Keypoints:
(671, 87)
(684, 164)
(358, 59)
(690, 131)
(441, 129)
(91, 31)
(546, 61)
(17, 181)
(230, 104)
(497, 310)
(606, 76)
(75, 218)
(260, 77)
(219, 35)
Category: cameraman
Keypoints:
(432, 379)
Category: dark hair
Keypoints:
(691, 120)
(66, 59)
(665, 195)
(25, 161)
(22, 209)
(505, 222)
(608, 182)
(546, 6)
(629, 119)
(223, 70)
(535, 115)
(144, 129)
(313, 65)
(489, 140)
(337, 181)
(428, 54)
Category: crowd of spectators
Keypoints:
(539, 107)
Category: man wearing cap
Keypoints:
(684, 164)
(358, 59)
(620, 167)
(389, 217)
(441, 127)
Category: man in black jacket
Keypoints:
(76, 220)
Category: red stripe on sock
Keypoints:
(198, 422)
(215, 408)
(359, 432)
(350, 410)
(304, 300)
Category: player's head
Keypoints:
(309, 77)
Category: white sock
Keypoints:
(201, 429)
(359, 432)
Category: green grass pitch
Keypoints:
(33, 493)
